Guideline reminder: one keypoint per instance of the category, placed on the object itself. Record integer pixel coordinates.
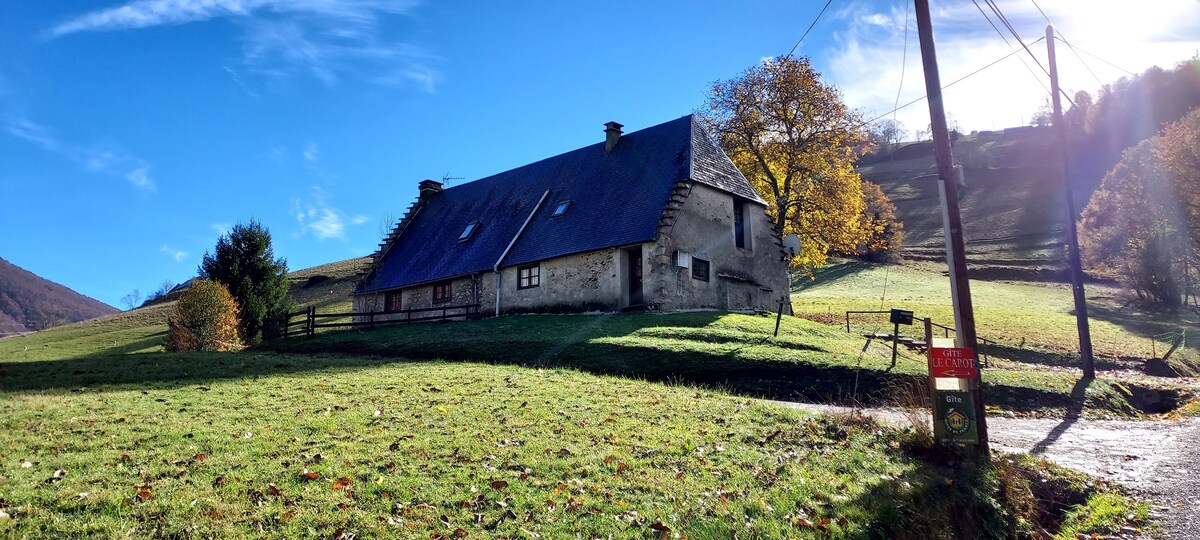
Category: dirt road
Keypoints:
(1152, 457)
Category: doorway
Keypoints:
(634, 256)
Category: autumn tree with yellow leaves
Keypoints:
(1142, 226)
(204, 319)
(796, 141)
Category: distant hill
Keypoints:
(29, 302)
(1012, 211)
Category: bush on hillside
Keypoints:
(884, 233)
(1133, 229)
(205, 319)
(245, 262)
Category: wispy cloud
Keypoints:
(140, 178)
(106, 159)
(222, 229)
(311, 153)
(314, 214)
(177, 255)
(24, 129)
(867, 58)
(326, 39)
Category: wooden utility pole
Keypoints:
(964, 312)
(1060, 129)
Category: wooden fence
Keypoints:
(984, 344)
(310, 320)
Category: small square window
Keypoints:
(699, 269)
(529, 277)
(561, 208)
(391, 301)
(467, 232)
(441, 292)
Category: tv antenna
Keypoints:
(446, 178)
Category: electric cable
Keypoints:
(956, 81)
(1010, 46)
(810, 27)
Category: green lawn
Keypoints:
(1033, 321)
(210, 445)
(808, 361)
(629, 425)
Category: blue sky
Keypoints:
(133, 133)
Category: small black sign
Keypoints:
(902, 316)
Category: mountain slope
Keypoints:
(1012, 210)
(29, 302)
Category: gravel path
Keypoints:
(1153, 457)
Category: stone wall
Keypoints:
(584, 282)
(699, 223)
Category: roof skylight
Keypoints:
(561, 208)
(467, 232)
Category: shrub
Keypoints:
(244, 262)
(884, 233)
(205, 319)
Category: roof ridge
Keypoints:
(580, 149)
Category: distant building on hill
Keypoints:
(657, 219)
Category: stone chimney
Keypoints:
(428, 189)
(612, 132)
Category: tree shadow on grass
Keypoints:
(829, 273)
(1142, 323)
(593, 346)
(1056, 359)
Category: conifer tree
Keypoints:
(244, 262)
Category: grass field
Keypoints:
(1012, 209)
(629, 425)
(1033, 322)
(269, 444)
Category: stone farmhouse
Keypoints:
(657, 219)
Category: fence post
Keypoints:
(847, 322)
(371, 318)
(312, 320)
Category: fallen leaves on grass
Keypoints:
(58, 476)
(342, 483)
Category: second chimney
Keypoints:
(612, 132)
(428, 188)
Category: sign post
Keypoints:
(899, 317)
(954, 372)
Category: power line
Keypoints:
(903, 63)
(1063, 38)
(810, 27)
(1004, 20)
(1017, 36)
(1010, 46)
(958, 80)
(1093, 55)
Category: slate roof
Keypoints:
(616, 199)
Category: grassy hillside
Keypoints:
(375, 441)
(627, 425)
(1012, 211)
(1032, 322)
(29, 302)
(261, 444)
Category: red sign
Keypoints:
(954, 363)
